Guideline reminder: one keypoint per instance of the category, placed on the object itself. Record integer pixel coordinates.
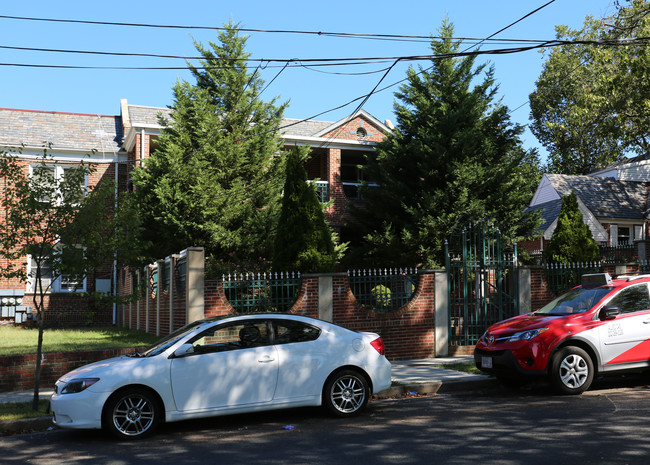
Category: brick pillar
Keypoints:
(195, 283)
(441, 314)
(335, 213)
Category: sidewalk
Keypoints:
(424, 376)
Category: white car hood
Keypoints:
(102, 368)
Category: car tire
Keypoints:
(132, 413)
(346, 393)
(572, 371)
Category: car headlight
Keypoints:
(78, 385)
(526, 335)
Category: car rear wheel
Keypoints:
(346, 393)
(133, 413)
(572, 371)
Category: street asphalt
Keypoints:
(410, 377)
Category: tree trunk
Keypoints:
(39, 352)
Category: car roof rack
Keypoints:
(633, 277)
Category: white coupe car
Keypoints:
(222, 366)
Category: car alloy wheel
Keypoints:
(572, 371)
(346, 393)
(132, 414)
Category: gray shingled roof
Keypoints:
(605, 197)
(549, 211)
(302, 128)
(65, 131)
(146, 116)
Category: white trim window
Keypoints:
(63, 283)
(43, 174)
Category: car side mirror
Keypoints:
(184, 350)
(609, 312)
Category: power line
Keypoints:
(399, 37)
(299, 62)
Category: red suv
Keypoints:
(601, 326)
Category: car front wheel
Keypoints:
(346, 393)
(572, 371)
(133, 413)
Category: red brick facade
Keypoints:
(65, 308)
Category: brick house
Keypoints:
(69, 138)
(118, 143)
(337, 148)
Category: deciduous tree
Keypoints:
(63, 229)
(590, 106)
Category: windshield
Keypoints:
(577, 300)
(170, 340)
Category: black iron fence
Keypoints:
(262, 292)
(383, 290)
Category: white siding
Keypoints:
(545, 193)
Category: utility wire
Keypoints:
(298, 62)
(399, 37)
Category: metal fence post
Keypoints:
(441, 313)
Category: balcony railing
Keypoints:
(322, 190)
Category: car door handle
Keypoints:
(267, 359)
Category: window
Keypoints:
(45, 177)
(632, 299)
(46, 274)
(232, 337)
(351, 173)
(638, 232)
(623, 235)
(61, 283)
(289, 331)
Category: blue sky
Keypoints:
(309, 92)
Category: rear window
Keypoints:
(289, 331)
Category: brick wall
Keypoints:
(68, 309)
(17, 371)
(407, 333)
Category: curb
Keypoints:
(25, 425)
(437, 387)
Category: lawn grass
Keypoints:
(19, 340)
(21, 410)
(467, 367)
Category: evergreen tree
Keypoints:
(214, 180)
(454, 156)
(304, 240)
(572, 241)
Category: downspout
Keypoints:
(117, 166)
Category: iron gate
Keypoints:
(482, 282)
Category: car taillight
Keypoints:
(378, 345)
